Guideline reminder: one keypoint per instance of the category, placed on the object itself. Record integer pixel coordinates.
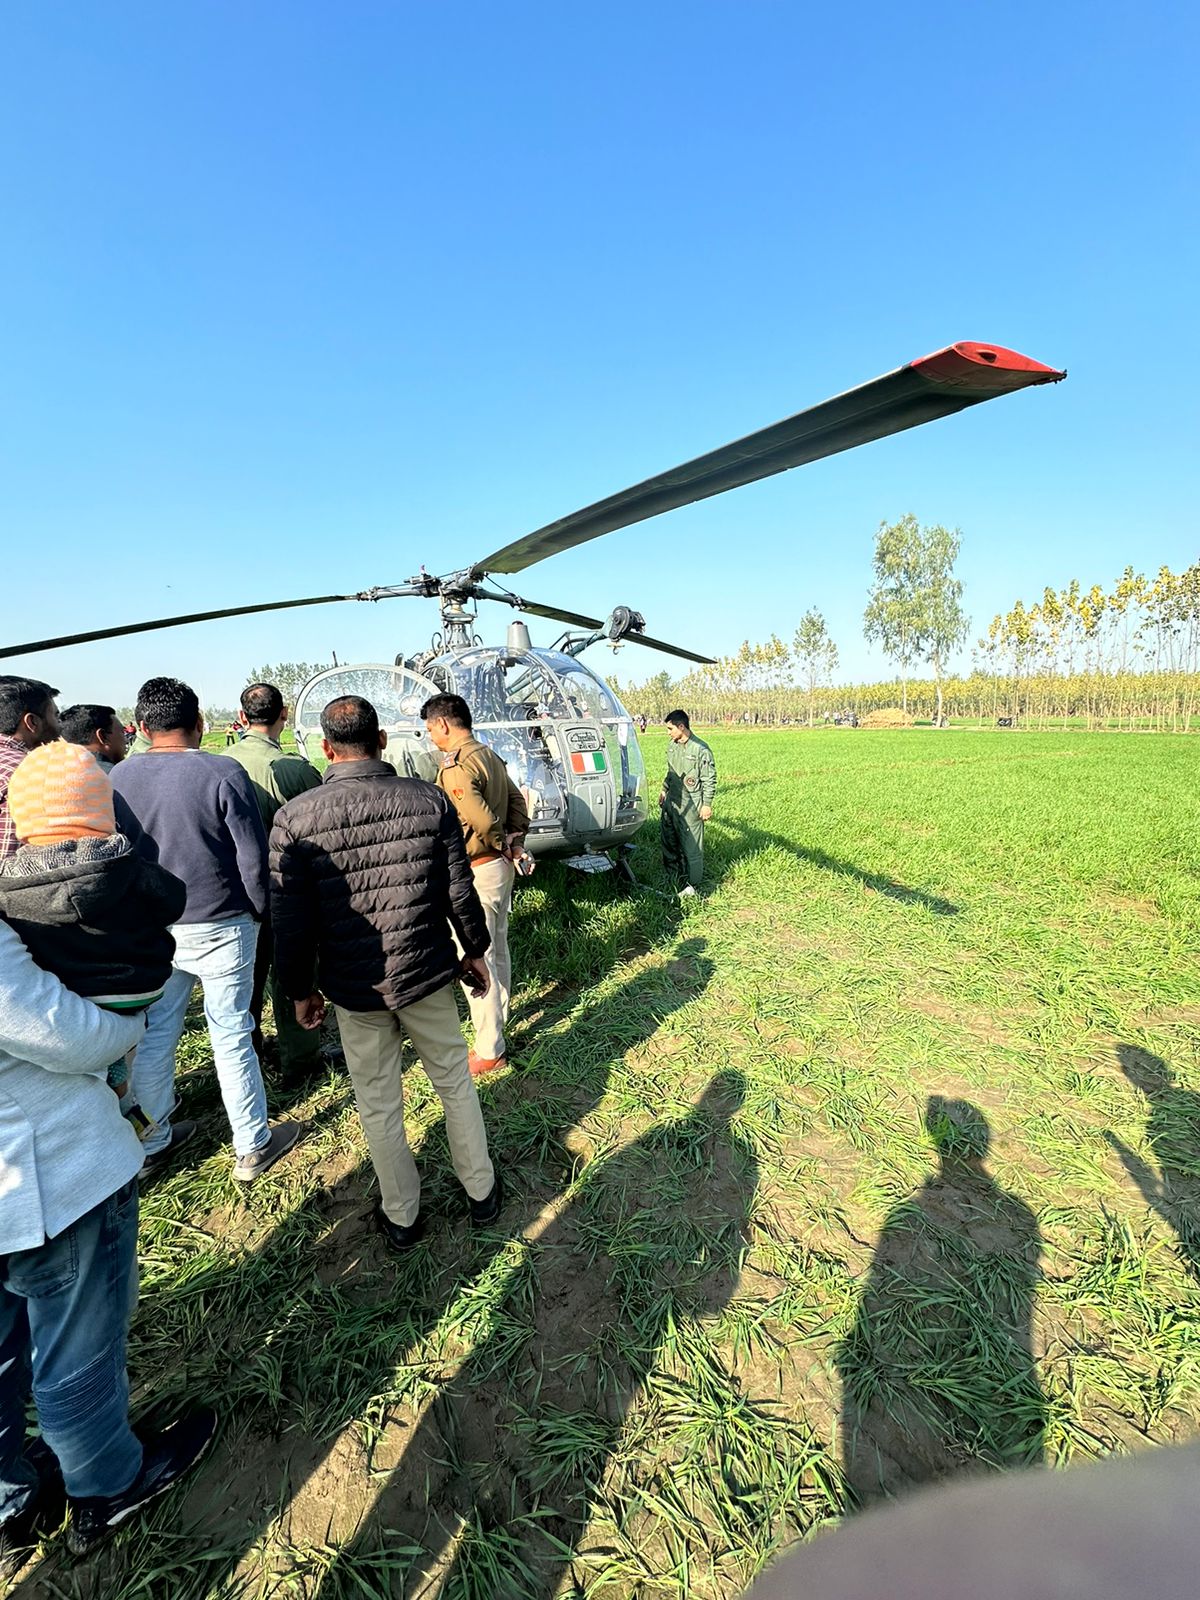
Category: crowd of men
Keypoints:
(126, 879)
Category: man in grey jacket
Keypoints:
(68, 1245)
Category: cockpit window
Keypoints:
(499, 687)
(587, 695)
(396, 693)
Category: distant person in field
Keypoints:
(28, 718)
(98, 729)
(685, 803)
(368, 876)
(495, 820)
(86, 905)
(276, 777)
(231, 733)
(69, 1164)
(201, 821)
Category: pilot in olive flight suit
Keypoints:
(686, 801)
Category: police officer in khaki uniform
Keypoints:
(495, 820)
(686, 800)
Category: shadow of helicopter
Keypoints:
(336, 1268)
(568, 930)
(729, 840)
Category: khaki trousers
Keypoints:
(373, 1041)
(494, 886)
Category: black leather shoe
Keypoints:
(19, 1535)
(394, 1236)
(488, 1209)
(181, 1132)
(166, 1457)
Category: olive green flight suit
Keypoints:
(276, 776)
(691, 782)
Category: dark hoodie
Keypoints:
(95, 913)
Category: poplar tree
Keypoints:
(914, 609)
(816, 653)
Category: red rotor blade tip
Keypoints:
(988, 367)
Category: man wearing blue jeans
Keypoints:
(68, 1279)
(200, 820)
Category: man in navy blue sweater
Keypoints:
(200, 820)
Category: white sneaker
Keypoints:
(689, 892)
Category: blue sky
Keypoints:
(297, 297)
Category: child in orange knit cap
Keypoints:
(87, 906)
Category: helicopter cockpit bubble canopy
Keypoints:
(567, 741)
(396, 692)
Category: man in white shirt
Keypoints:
(68, 1247)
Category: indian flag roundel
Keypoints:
(588, 761)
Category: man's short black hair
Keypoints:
(80, 724)
(680, 719)
(351, 723)
(451, 706)
(165, 705)
(22, 697)
(262, 704)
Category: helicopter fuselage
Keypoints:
(568, 743)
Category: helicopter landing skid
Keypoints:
(593, 862)
(624, 867)
(589, 863)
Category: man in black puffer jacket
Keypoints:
(368, 875)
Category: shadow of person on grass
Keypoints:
(1173, 1131)
(497, 1481)
(937, 1374)
(580, 928)
(328, 1347)
(730, 839)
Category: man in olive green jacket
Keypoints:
(686, 802)
(276, 777)
(495, 820)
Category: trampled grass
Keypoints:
(878, 1165)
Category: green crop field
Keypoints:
(879, 1165)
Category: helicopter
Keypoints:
(568, 742)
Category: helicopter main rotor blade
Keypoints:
(667, 649)
(936, 386)
(194, 616)
(575, 619)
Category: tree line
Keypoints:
(1124, 657)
